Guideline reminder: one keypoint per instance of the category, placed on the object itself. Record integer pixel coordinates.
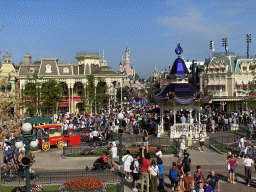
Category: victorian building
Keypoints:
(73, 77)
(224, 78)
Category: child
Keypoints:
(192, 187)
(207, 187)
(178, 189)
(201, 187)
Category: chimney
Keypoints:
(27, 59)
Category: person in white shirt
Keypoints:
(95, 135)
(65, 129)
(201, 141)
(153, 174)
(135, 172)
(113, 156)
(127, 159)
(241, 146)
(248, 169)
(158, 153)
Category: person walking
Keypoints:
(214, 181)
(233, 163)
(174, 175)
(160, 165)
(201, 141)
(145, 170)
(145, 140)
(135, 172)
(113, 156)
(248, 169)
(186, 181)
(154, 172)
(127, 159)
(198, 176)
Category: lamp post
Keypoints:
(120, 117)
(29, 140)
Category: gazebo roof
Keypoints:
(179, 68)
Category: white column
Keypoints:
(69, 98)
(72, 104)
(121, 96)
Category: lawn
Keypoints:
(45, 188)
(171, 150)
(222, 148)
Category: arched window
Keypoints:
(3, 89)
(9, 87)
(65, 70)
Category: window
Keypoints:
(65, 70)
(3, 89)
(31, 70)
(48, 68)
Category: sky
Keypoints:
(151, 29)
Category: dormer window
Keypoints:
(65, 70)
(31, 70)
(48, 68)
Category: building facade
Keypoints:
(224, 79)
(73, 77)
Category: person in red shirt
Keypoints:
(145, 170)
(186, 180)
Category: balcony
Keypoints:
(219, 94)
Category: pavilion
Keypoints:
(180, 94)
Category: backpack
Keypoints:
(9, 151)
(132, 167)
(198, 177)
(173, 174)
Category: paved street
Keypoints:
(52, 161)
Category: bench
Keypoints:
(133, 151)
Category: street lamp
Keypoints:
(120, 117)
(29, 140)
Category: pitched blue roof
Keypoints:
(179, 67)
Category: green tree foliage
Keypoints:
(95, 95)
(31, 96)
(51, 94)
(125, 93)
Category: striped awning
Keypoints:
(239, 83)
(222, 82)
(245, 82)
(216, 83)
(210, 83)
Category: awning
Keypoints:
(239, 83)
(222, 82)
(210, 82)
(245, 82)
(216, 83)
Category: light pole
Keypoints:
(248, 40)
(225, 44)
(120, 117)
(29, 140)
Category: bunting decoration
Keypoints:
(197, 97)
(170, 96)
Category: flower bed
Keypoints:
(33, 187)
(84, 183)
(234, 146)
(89, 151)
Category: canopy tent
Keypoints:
(38, 119)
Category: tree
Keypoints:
(125, 93)
(89, 93)
(51, 94)
(101, 97)
(31, 97)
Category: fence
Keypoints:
(152, 140)
(58, 178)
(176, 144)
(77, 149)
(223, 139)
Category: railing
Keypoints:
(186, 129)
(152, 140)
(77, 149)
(87, 54)
(58, 178)
(223, 139)
(176, 144)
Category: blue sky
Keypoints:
(151, 29)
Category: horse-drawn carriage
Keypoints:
(52, 135)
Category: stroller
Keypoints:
(101, 163)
